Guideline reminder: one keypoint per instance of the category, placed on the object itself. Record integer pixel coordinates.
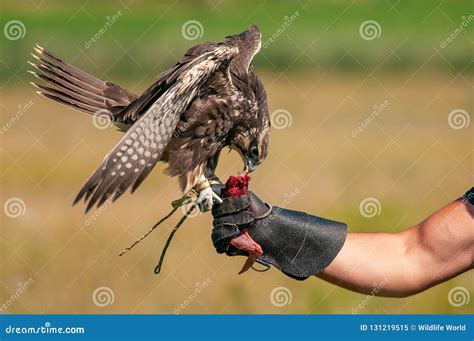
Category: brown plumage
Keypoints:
(210, 99)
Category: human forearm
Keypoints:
(401, 264)
(373, 263)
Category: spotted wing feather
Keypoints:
(135, 155)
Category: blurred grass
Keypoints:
(325, 36)
(408, 158)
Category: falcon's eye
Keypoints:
(254, 153)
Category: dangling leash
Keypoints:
(175, 204)
(170, 237)
(235, 186)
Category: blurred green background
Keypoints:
(320, 71)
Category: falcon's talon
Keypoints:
(206, 199)
(217, 198)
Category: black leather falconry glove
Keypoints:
(299, 244)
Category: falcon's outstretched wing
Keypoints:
(135, 155)
(139, 106)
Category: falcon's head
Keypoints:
(252, 135)
(257, 151)
(252, 146)
(249, 43)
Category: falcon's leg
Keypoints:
(206, 195)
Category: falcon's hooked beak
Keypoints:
(250, 165)
(252, 151)
(251, 159)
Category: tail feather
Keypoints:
(55, 62)
(59, 78)
(70, 86)
(69, 98)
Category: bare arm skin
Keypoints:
(408, 262)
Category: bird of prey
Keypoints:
(210, 99)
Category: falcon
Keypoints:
(210, 99)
